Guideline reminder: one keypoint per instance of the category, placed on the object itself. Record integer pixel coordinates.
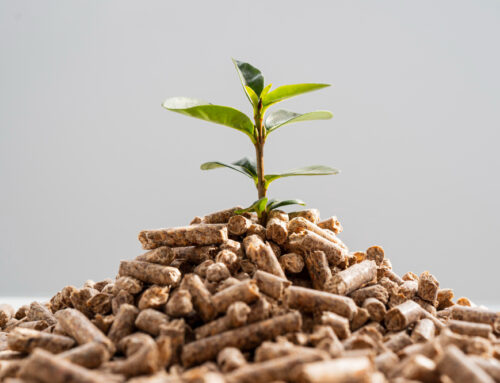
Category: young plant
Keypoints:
(261, 97)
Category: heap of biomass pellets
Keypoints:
(228, 300)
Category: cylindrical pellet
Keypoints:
(80, 328)
(26, 340)
(470, 328)
(401, 316)
(308, 241)
(262, 255)
(332, 224)
(246, 291)
(455, 364)
(299, 224)
(271, 284)
(353, 278)
(238, 225)
(476, 314)
(194, 235)
(276, 230)
(342, 370)
(123, 324)
(317, 266)
(423, 331)
(150, 273)
(310, 300)
(244, 338)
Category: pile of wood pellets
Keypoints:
(226, 299)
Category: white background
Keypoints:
(88, 157)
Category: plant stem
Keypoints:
(259, 151)
(259, 155)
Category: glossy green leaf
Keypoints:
(251, 77)
(248, 166)
(245, 166)
(258, 206)
(218, 114)
(274, 204)
(313, 170)
(281, 117)
(265, 90)
(286, 91)
(254, 99)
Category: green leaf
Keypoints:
(254, 99)
(248, 166)
(282, 117)
(218, 114)
(313, 170)
(266, 90)
(244, 166)
(286, 91)
(258, 206)
(251, 77)
(274, 204)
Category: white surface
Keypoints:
(17, 302)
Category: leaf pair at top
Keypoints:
(253, 83)
(248, 168)
(259, 96)
(264, 205)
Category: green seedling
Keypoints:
(264, 123)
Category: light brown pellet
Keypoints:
(476, 314)
(195, 235)
(150, 321)
(461, 369)
(179, 304)
(244, 338)
(150, 273)
(88, 355)
(271, 284)
(403, 315)
(428, 287)
(339, 324)
(423, 331)
(123, 323)
(238, 225)
(292, 262)
(80, 328)
(374, 291)
(47, 368)
(246, 291)
(375, 308)
(229, 359)
(318, 269)
(299, 224)
(470, 328)
(279, 369)
(352, 278)
(310, 300)
(237, 314)
(308, 241)
(26, 340)
(355, 370)
(445, 298)
(276, 230)
(312, 215)
(332, 224)
(262, 255)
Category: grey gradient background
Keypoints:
(88, 157)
